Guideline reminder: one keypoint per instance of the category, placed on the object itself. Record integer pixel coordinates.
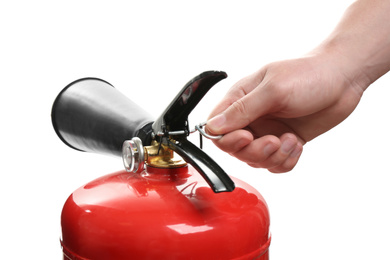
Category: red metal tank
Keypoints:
(164, 214)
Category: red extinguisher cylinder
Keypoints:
(158, 214)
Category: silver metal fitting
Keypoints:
(133, 155)
(199, 128)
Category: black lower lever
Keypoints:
(215, 176)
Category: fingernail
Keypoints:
(287, 146)
(269, 149)
(296, 153)
(216, 123)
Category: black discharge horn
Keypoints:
(91, 115)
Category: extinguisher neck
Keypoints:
(159, 155)
(166, 174)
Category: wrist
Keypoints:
(342, 66)
(360, 44)
(348, 60)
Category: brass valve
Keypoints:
(158, 155)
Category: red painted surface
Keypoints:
(164, 214)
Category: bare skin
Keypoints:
(267, 117)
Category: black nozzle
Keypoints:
(91, 115)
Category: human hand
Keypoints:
(267, 117)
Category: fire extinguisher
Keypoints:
(172, 201)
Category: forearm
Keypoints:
(361, 41)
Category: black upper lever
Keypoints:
(175, 116)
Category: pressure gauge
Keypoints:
(133, 155)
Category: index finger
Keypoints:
(238, 91)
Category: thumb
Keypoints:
(242, 112)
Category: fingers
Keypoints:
(276, 154)
(241, 113)
(234, 141)
(290, 159)
(248, 100)
(239, 90)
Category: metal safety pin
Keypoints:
(199, 128)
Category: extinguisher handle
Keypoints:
(91, 115)
(172, 128)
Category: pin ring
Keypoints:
(202, 132)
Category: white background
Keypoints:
(333, 205)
